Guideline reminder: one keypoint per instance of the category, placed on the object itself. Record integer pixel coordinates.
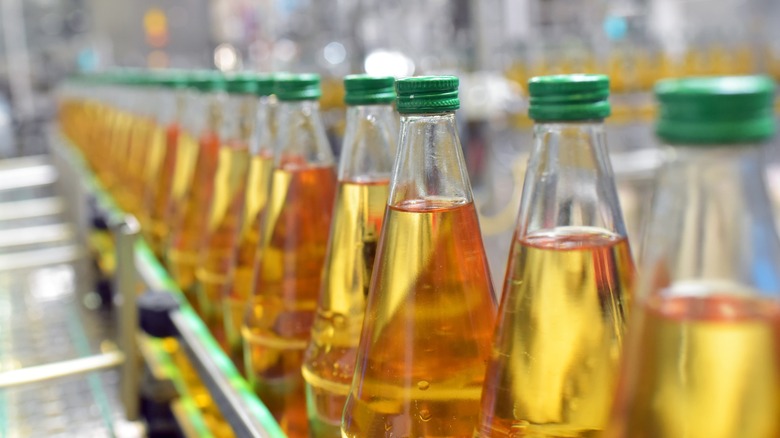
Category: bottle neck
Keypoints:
(430, 164)
(712, 220)
(304, 107)
(262, 141)
(238, 118)
(301, 137)
(167, 107)
(369, 143)
(215, 101)
(569, 180)
(196, 104)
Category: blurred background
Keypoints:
(494, 46)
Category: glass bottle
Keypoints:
(703, 357)
(238, 285)
(197, 159)
(145, 102)
(162, 87)
(126, 149)
(118, 122)
(430, 310)
(223, 216)
(158, 197)
(570, 275)
(296, 222)
(363, 186)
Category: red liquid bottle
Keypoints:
(295, 228)
(703, 355)
(197, 160)
(430, 311)
(363, 186)
(562, 318)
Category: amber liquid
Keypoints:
(224, 220)
(558, 342)
(237, 291)
(187, 238)
(187, 150)
(152, 174)
(138, 155)
(123, 157)
(330, 358)
(197, 391)
(159, 196)
(118, 140)
(708, 366)
(428, 327)
(280, 315)
(102, 140)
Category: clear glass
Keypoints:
(199, 158)
(363, 186)
(429, 316)
(224, 215)
(295, 226)
(569, 280)
(240, 277)
(703, 358)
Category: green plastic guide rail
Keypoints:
(233, 395)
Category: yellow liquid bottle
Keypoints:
(559, 336)
(279, 315)
(430, 311)
(141, 149)
(358, 213)
(158, 197)
(152, 173)
(227, 202)
(117, 143)
(222, 226)
(703, 353)
(122, 158)
(115, 138)
(105, 115)
(238, 286)
(194, 188)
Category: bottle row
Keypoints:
(356, 297)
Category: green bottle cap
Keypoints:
(175, 79)
(241, 83)
(264, 84)
(132, 77)
(109, 77)
(715, 110)
(427, 94)
(566, 98)
(369, 90)
(157, 78)
(291, 87)
(208, 80)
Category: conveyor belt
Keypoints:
(43, 316)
